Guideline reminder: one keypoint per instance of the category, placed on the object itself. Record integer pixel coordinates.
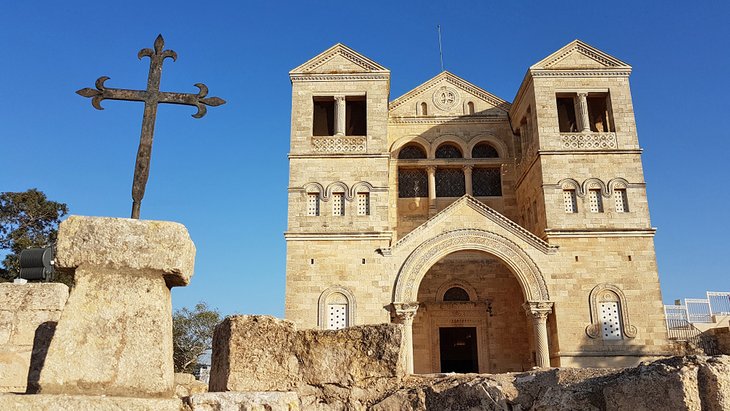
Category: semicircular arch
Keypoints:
(431, 251)
(447, 139)
(498, 145)
(412, 139)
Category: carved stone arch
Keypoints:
(337, 185)
(617, 183)
(498, 145)
(325, 297)
(431, 251)
(451, 139)
(595, 183)
(600, 291)
(570, 184)
(360, 187)
(313, 187)
(473, 296)
(404, 141)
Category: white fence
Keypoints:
(698, 310)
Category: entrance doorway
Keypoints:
(458, 346)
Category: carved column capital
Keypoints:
(404, 312)
(538, 310)
(468, 168)
(431, 169)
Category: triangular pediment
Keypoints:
(339, 59)
(460, 211)
(445, 95)
(578, 55)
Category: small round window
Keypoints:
(456, 294)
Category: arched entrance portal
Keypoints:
(470, 318)
(510, 256)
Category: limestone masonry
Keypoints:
(501, 235)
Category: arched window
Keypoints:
(609, 314)
(470, 107)
(336, 309)
(411, 152)
(484, 150)
(450, 182)
(412, 182)
(456, 294)
(424, 109)
(448, 151)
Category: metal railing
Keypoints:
(681, 318)
(719, 302)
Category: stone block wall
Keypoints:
(28, 316)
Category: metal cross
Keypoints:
(151, 98)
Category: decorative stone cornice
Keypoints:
(338, 236)
(579, 47)
(338, 77)
(560, 233)
(580, 73)
(339, 49)
(487, 212)
(589, 141)
(472, 119)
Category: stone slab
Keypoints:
(38, 402)
(114, 337)
(245, 401)
(127, 244)
(28, 315)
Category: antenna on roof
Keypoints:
(441, 52)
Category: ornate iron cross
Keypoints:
(151, 98)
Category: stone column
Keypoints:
(114, 336)
(467, 179)
(404, 313)
(431, 189)
(340, 115)
(539, 311)
(583, 120)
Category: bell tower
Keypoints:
(338, 180)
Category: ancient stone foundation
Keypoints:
(28, 316)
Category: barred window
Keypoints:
(312, 204)
(412, 183)
(595, 202)
(363, 203)
(569, 201)
(411, 152)
(448, 151)
(484, 150)
(338, 204)
(486, 182)
(619, 198)
(450, 182)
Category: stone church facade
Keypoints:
(502, 235)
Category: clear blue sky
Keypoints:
(225, 176)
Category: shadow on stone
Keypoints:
(41, 342)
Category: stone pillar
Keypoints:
(114, 336)
(467, 179)
(340, 115)
(583, 120)
(539, 311)
(404, 313)
(431, 189)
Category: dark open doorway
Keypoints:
(458, 346)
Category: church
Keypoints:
(502, 235)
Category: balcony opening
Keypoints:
(355, 116)
(598, 115)
(566, 115)
(323, 116)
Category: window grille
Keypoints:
(312, 204)
(569, 201)
(486, 182)
(484, 150)
(338, 204)
(448, 151)
(619, 197)
(610, 323)
(450, 182)
(336, 316)
(594, 201)
(412, 183)
(363, 203)
(411, 152)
